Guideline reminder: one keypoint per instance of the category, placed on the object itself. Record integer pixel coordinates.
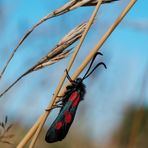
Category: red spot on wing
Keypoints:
(74, 96)
(76, 101)
(58, 125)
(68, 117)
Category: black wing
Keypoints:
(60, 127)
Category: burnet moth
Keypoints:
(68, 103)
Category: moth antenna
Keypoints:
(101, 63)
(68, 76)
(98, 53)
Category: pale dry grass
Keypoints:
(58, 53)
(73, 4)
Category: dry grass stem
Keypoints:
(89, 3)
(56, 54)
(38, 125)
(55, 59)
(94, 2)
(73, 4)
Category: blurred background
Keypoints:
(114, 113)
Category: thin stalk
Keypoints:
(90, 22)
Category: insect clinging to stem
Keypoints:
(68, 105)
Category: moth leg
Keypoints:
(53, 107)
(59, 99)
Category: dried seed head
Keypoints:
(55, 59)
(88, 3)
(72, 4)
(56, 54)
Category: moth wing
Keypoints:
(60, 127)
(52, 134)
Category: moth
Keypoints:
(69, 103)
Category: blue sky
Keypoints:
(125, 54)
